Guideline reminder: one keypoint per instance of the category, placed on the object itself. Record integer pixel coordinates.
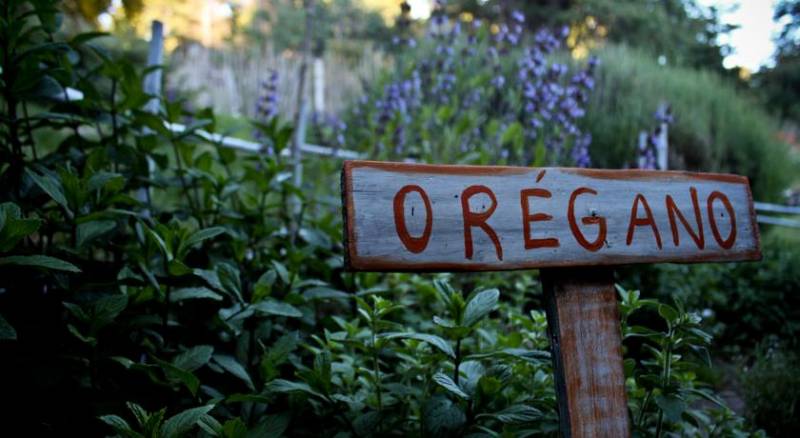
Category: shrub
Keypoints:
(772, 390)
(716, 129)
(742, 303)
(463, 94)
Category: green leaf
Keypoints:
(13, 228)
(234, 428)
(7, 332)
(106, 308)
(101, 179)
(40, 261)
(184, 422)
(194, 293)
(194, 357)
(210, 425)
(446, 323)
(668, 313)
(273, 426)
(231, 365)
(91, 230)
(155, 237)
(51, 186)
(325, 293)
(118, 423)
(278, 354)
(82, 38)
(138, 412)
(178, 374)
(177, 268)
(672, 405)
(447, 383)
(283, 386)
(90, 340)
(367, 424)
(532, 356)
(277, 308)
(322, 366)
(514, 134)
(211, 277)
(514, 414)
(204, 234)
(433, 340)
(247, 398)
(479, 306)
(441, 417)
(281, 270)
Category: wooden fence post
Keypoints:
(642, 162)
(662, 145)
(152, 86)
(319, 85)
(583, 324)
(301, 114)
(155, 56)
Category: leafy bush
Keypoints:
(716, 129)
(465, 94)
(665, 389)
(771, 389)
(152, 284)
(742, 303)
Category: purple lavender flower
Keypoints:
(580, 151)
(498, 81)
(267, 104)
(543, 96)
(455, 31)
(664, 114)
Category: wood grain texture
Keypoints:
(523, 218)
(583, 323)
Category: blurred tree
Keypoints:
(89, 10)
(280, 22)
(680, 31)
(781, 83)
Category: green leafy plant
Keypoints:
(154, 284)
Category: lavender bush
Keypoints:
(473, 92)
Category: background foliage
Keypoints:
(154, 284)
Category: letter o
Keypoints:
(413, 244)
(727, 243)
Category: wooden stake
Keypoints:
(152, 86)
(583, 323)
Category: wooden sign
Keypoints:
(415, 217)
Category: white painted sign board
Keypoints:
(416, 217)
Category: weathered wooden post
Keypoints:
(573, 224)
(152, 86)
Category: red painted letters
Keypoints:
(673, 211)
(586, 220)
(527, 218)
(476, 219)
(727, 243)
(635, 221)
(413, 244)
